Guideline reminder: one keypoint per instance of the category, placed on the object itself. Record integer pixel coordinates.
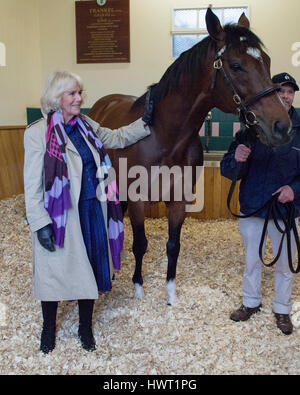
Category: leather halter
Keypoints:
(246, 115)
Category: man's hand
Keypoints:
(286, 194)
(241, 153)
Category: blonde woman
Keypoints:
(77, 232)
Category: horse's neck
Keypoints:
(181, 124)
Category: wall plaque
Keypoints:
(102, 31)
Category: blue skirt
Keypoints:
(95, 239)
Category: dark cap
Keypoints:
(285, 78)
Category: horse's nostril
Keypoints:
(281, 129)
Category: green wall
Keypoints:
(220, 143)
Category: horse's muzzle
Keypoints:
(282, 132)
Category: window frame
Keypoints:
(198, 31)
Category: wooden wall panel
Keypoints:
(216, 190)
(11, 160)
(216, 187)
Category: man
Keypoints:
(264, 172)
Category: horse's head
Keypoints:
(241, 82)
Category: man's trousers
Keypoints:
(251, 229)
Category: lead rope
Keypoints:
(289, 223)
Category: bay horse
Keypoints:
(228, 70)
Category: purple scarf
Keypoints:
(57, 195)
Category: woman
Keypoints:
(71, 205)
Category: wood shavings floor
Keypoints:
(133, 336)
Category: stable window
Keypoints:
(2, 54)
(189, 27)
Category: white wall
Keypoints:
(40, 37)
(20, 80)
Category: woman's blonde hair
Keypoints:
(57, 83)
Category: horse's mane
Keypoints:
(192, 61)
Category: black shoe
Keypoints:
(47, 340)
(86, 337)
(244, 313)
(49, 326)
(284, 323)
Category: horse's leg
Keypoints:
(139, 246)
(176, 218)
(124, 206)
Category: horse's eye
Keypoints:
(236, 67)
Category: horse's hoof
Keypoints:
(139, 292)
(171, 291)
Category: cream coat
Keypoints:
(66, 273)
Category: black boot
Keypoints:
(85, 324)
(49, 326)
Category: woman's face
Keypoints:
(71, 102)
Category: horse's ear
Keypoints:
(214, 27)
(244, 21)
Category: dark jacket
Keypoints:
(266, 170)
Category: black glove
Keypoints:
(46, 237)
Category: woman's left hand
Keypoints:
(286, 194)
(46, 237)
